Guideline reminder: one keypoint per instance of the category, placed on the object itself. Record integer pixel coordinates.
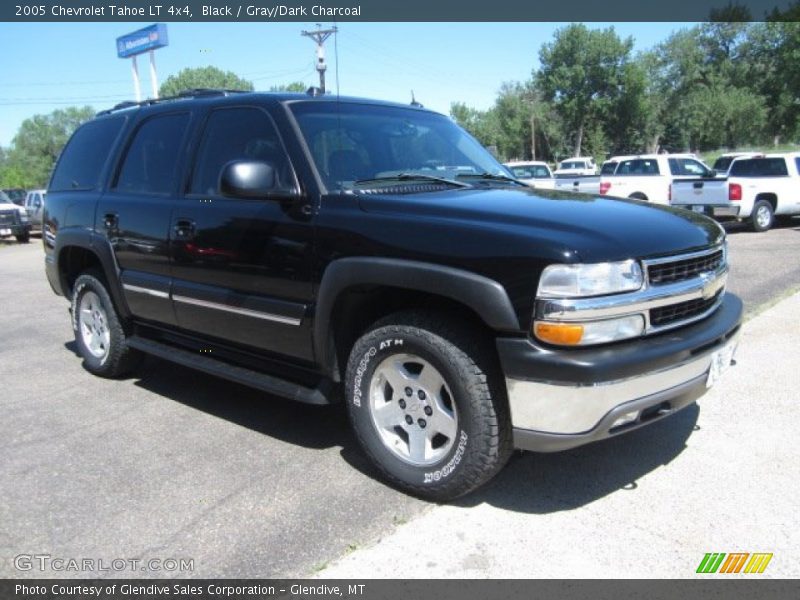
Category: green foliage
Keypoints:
(295, 86)
(203, 77)
(37, 144)
(583, 73)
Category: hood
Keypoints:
(584, 227)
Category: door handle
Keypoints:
(184, 229)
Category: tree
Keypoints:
(203, 77)
(37, 144)
(581, 74)
(295, 86)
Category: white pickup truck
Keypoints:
(757, 189)
(649, 176)
(586, 184)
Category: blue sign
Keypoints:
(143, 40)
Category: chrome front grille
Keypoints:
(680, 270)
(8, 217)
(673, 313)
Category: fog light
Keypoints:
(625, 419)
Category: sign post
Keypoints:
(144, 40)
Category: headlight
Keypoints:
(586, 333)
(583, 280)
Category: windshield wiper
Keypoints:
(411, 177)
(490, 177)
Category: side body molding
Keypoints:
(483, 295)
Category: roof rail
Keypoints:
(182, 95)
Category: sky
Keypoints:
(53, 65)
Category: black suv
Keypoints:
(324, 248)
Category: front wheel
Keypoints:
(763, 216)
(427, 405)
(99, 334)
(23, 238)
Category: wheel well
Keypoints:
(359, 307)
(638, 196)
(72, 261)
(769, 197)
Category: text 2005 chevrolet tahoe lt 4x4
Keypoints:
(326, 248)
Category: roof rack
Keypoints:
(182, 95)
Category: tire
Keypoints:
(24, 238)
(638, 196)
(763, 216)
(434, 382)
(99, 334)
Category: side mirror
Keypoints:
(249, 179)
(37, 203)
(712, 173)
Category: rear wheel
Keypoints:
(638, 196)
(99, 334)
(763, 216)
(23, 238)
(428, 406)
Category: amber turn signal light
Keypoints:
(563, 334)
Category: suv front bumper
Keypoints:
(563, 398)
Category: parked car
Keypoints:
(303, 245)
(758, 189)
(586, 184)
(536, 174)
(16, 195)
(14, 220)
(649, 176)
(34, 204)
(579, 165)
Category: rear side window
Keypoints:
(638, 166)
(82, 160)
(150, 165)
(759, 167)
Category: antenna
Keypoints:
(414, 101)
(319, 36)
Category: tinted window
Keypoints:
(152, 158)
(238, 134)
(608, 168)
(81, 162)
(638, 166)
(759, 167)
(687, 166)
(797, 163)
(722, 163)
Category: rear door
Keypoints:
(242, 266)
(134, 215)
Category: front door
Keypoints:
(242, 266)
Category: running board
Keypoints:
(248, 377)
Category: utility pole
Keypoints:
(319, 36)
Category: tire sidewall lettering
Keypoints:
(364, 363)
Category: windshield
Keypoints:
(352, 143)
(4, 199)
(530, 171)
